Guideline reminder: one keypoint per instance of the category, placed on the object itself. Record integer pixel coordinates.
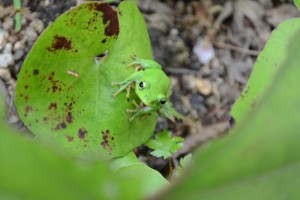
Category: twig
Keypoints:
(235, 48)
(208, 133)
(180, 71)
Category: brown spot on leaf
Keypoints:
(69, 106)
(103, 41)
(104, 144)
(52, 106)
(253, 104)
(36, 72)
(69, 117)
(70, 138)
(57, 127)
(27, 110)
(106, 136)
(46, 119)
(63, 125)
(110, 17)
(82, 133)
(60, 43)
(26, 87)
(56, 85)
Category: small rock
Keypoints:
(189, 82)
(13, 38)
(6, 60)
(204, 51)
(7, 48)
(19, 45)
(3, 38)
(205, 71)
(30, 34)
(197, 102)
(5, 75)
(18, 54)
(8, 23)
(204, 87)
(37, 25)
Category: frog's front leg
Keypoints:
(123, 85)
(141, 111)
(126, 84)
(144, 64)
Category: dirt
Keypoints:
(207, 48)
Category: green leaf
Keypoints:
(183, 164)
(31, 171)
(297, 3)
(129, 167)
(260, 159)
(186, 160)
(267, 65)
(64, 93)
(164, 144)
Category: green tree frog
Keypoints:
(152, 86)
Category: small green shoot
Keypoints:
(18, 19)
(183, 164)
(164, 144)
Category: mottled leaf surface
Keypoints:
(64, 93)
(267, 65)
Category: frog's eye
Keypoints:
(142, 84)
(163, 101)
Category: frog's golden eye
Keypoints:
(142, 84)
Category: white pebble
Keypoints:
(204, 51)
(6, 60)
(7, 48)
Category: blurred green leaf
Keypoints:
(260, 159)
(129, 167)
(297, 3)
(186, 160)
(183, 164)
(64, 93)
(30, 171)
(266, 67)
(164, 144)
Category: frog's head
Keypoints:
(151, 95)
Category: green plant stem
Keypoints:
(18, 18)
